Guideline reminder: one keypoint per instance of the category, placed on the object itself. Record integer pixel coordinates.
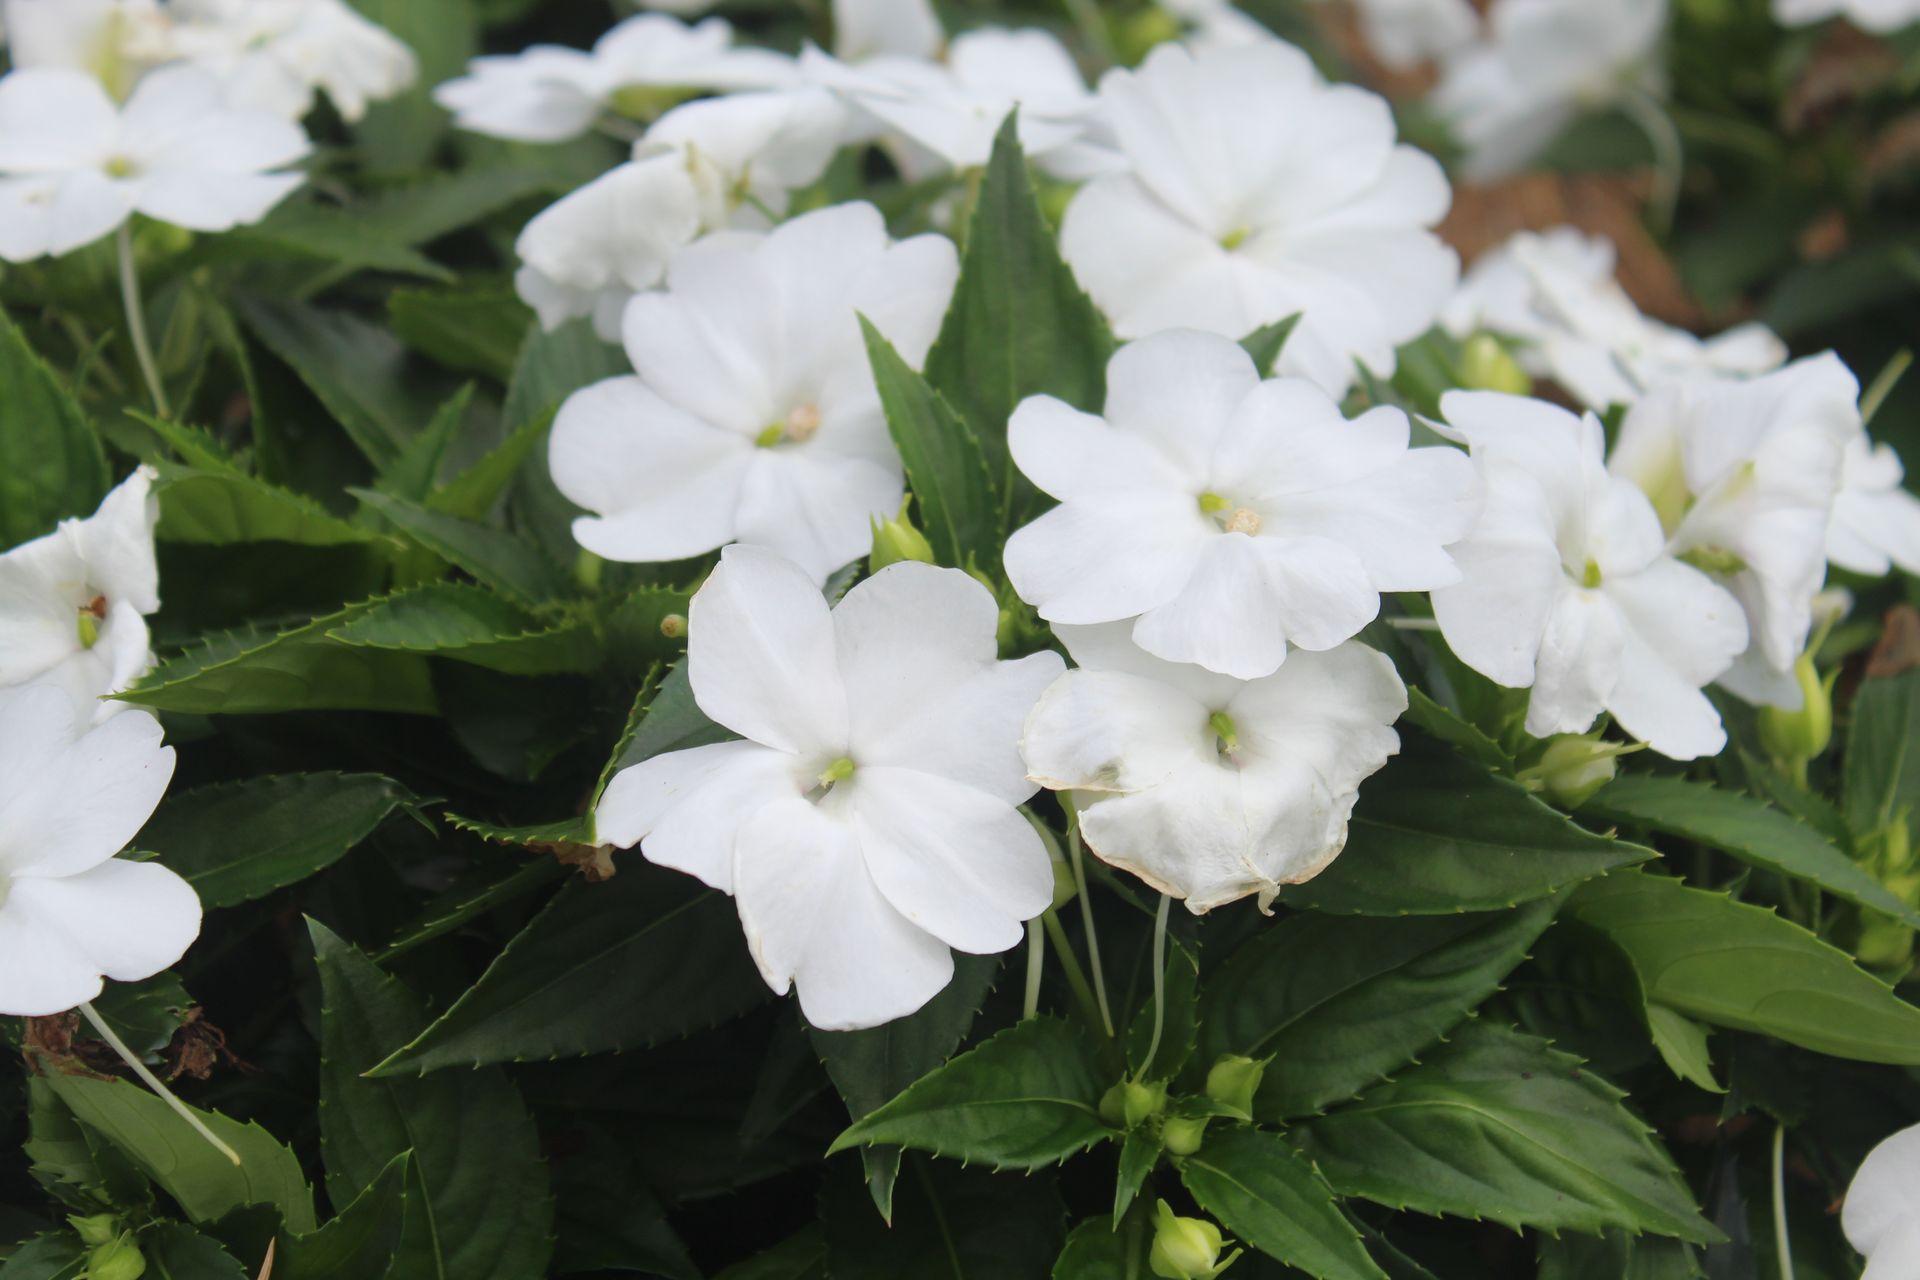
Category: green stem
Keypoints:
(1783, 1246)
(1883, 384)
(137, 320)
(1669, 158)
(1070, 966)
(1036, 966)
(152, 1082)
(1086, 920)
(1159, 979)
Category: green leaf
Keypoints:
(206, 1185)
(1749, 829)
(51, 463)
(1733, 965)
(459, 907)
(552, 366)
(1267, 342)
(484, 1202)
(1028, 1097)
(493, 557)
(1456, 731)
(1883, 753)
(870, 1068)
(952, 1223)
(603, 968)
(146, 1014)
(1139, 1153)
(360, 1242)
(1616, 1256)
(178, 1252)
(1265, 1193)
(221, 508)
(472, 329)
(81, 1170)
(1433, 834)
(1498, 1125)
(253, 671)
(1179, 1020)
(1096, 1251)
(672, 721)
(237, 841)
(54, 1256)
(959, 500)
(416, 471)
(355, 369)
(1682, 1043)
(1339, 1002)
(475, 492)
(800, 1257)
(324, 234)
(400, 135)
(1019, 326)
(471, 624)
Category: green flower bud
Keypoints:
(1141, 1102)
(1573, 767)
(1233, 1080)
(896, 540)
(96, 1230)
(1139, 35)
(1186, 1248)
(1795, 737)
(1113, 1106)
(118, 1259)
(1486, 365)
(1182, 1135)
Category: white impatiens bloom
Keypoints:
(550, 93)
(1406, 33)
(1208, 788)
(114, 41)
(1878, 16)
(1554, 294)
(73, 603)
(1233, 518)
(1569, 589)
(71, 797)
(1743, 475)
(952, 109)
(864, 29)
(1225, 227)
(1544, 63)
(720, 162)
(754, 416)
(74, 166)
(1876, 522)
(1882, 1212)
(273, 55)
(868, 820)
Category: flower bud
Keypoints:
(1233, 1080)
(96, 1230)
(674, 626)
(896, 540)
(1182, 1135)
(1486, 365)
(1130, 1104)
(118, 1259)
(1140, 34)
(1573, 767)
(1185, 1248)
(1795, 737)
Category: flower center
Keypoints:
(121, 167)
(1715, 562)
(839, 771)
(1229, 515)
(799, 426)
(1235, 238)
(1226, 734)
(91, 615)
(6, 887)
(1590, 575)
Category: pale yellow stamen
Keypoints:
(1243, 520)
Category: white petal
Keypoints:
(43, 585)
(54, 120)
(117, 543)
(1109, 556)
(58, 213)
(69, 799)
(1180, 390)
(212, 201)
(178, 121)
(1579, 667)
(1885, 1193)
(687, 806)
(1151, 270)
(1070, 454)
(814, 507)
(1328, 711)
(1109, 646)
(962, 865)
(124, 920)
(1112, 731)
(761, 655)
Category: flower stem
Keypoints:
(1036, 966)
(1093, 29)
(1782, 1246)
(1086, 922)
(1159, 979)
(137, 320)
(1669, 158)
(1070, 966)
(152, 1082)
(1883, 384)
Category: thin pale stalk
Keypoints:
(1036, 966)
(1159, 978)
(1782, 1245)
(1086, 923)
(1070, 966)
(1669, 155)
(137, 321)
(153, 1082)
(1883, 384)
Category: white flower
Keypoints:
(720, 162)
(953, 109)
(1554, 293)
(1569, 589)
(1226, 227)
(73, 166)
(73, 603)
(1545, 62)
(754, 416)
(1876, 522)
(1406, 33)
(1879, 16)
(1209, 788)
(1743, 475)
(867, 822)
(1233, 518)
(70, 799)
(1216, 23)
(864, 29)
(114, 41)
(1882, 1212)
(550, 93)
(274, 54)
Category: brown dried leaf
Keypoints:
(1898, 648)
